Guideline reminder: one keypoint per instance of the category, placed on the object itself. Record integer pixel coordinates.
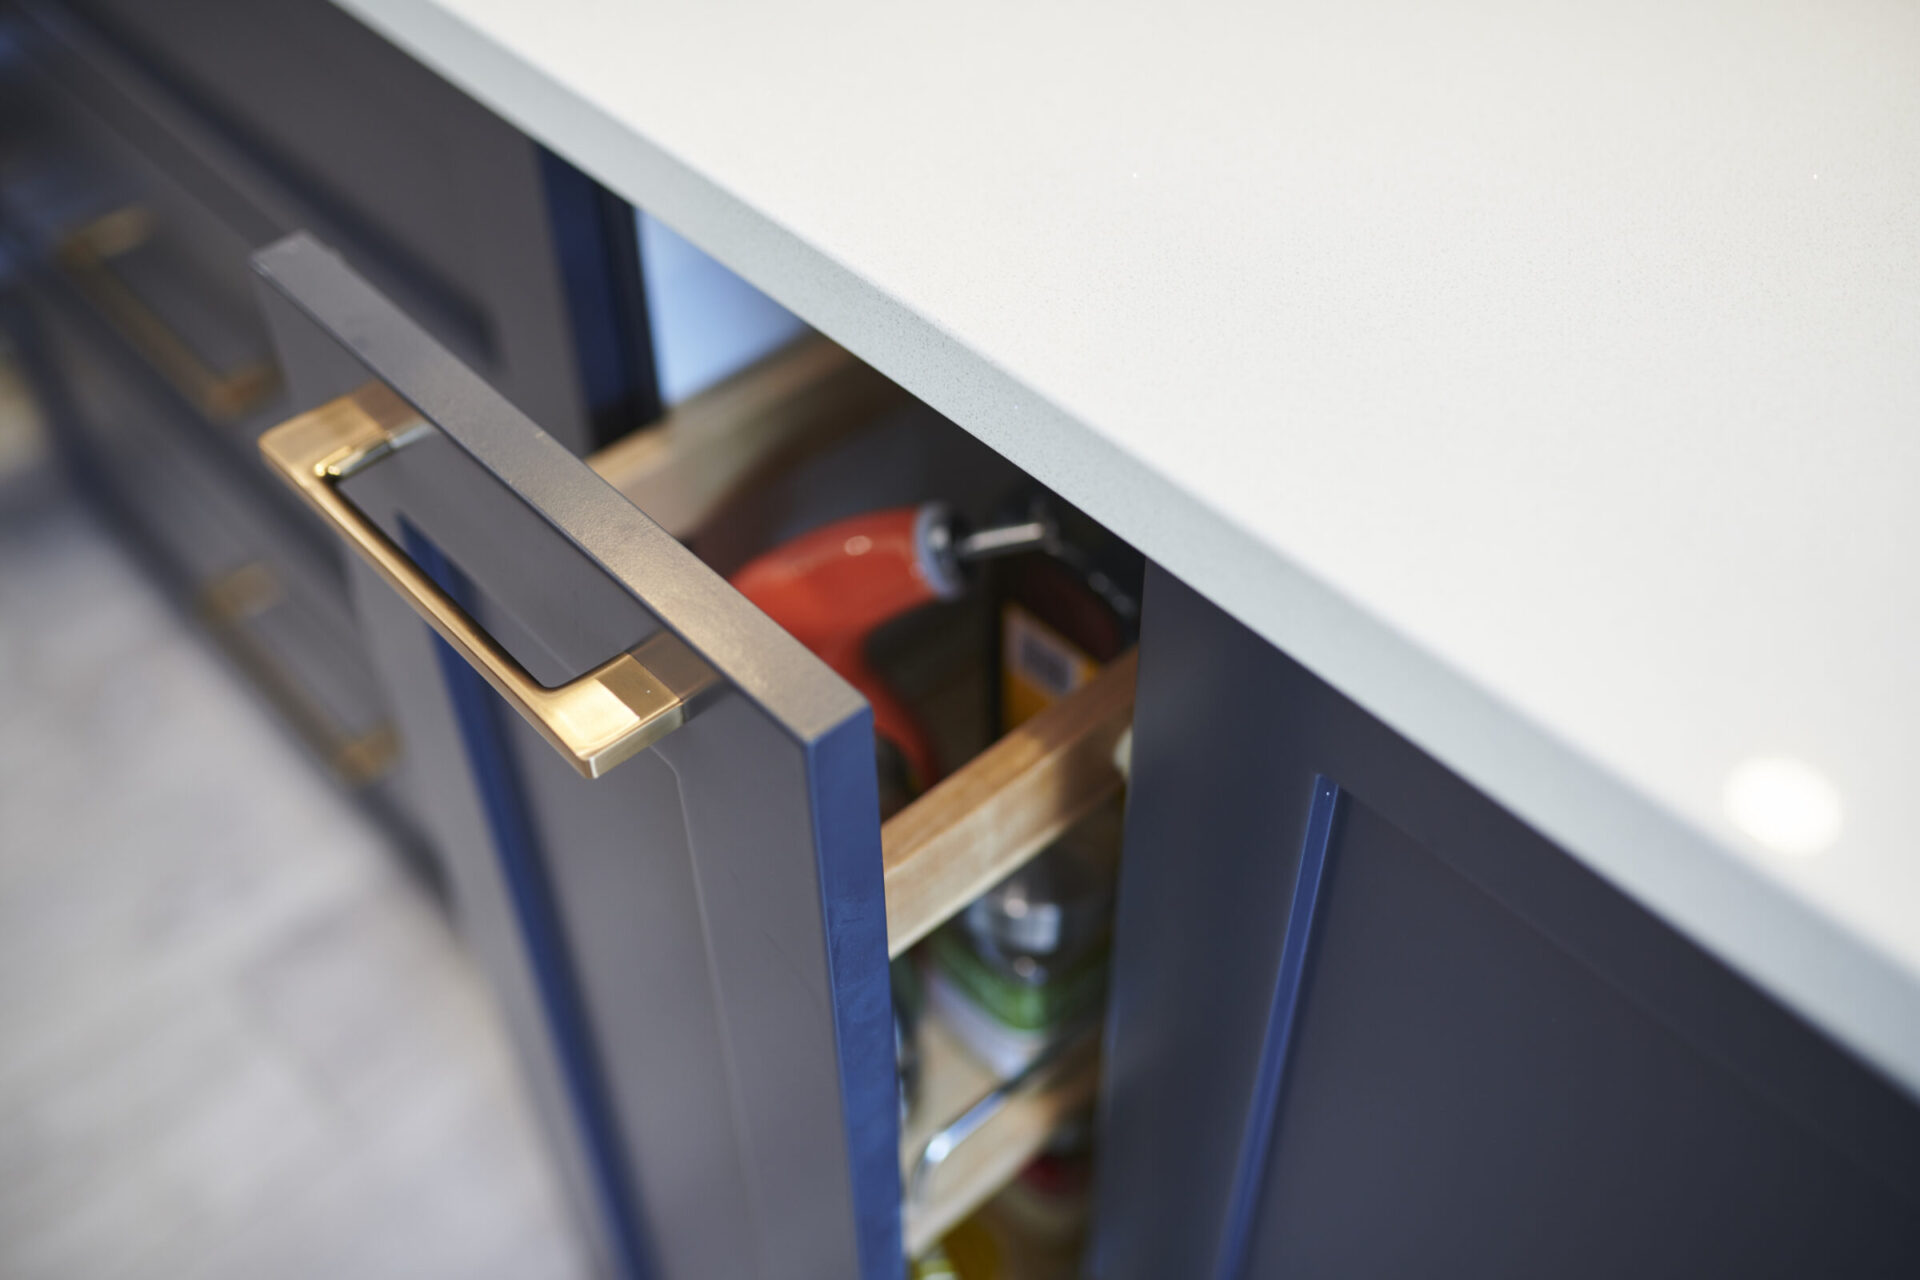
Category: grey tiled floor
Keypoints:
(234, 1040)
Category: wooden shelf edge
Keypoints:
(1005, 805)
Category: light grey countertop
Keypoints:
(1546, 377)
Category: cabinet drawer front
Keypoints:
(692, 947)
(300, 112)
(273, 602)
(223, 512)
(92, 198)
(267, 118)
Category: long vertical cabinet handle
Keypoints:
(608, 715)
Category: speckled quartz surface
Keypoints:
(1546, 377)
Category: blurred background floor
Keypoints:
(235, 1039)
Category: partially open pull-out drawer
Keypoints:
(671, 857)
(971, 1130)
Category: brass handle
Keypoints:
(612, 713)
(87, 256)
(226, 605)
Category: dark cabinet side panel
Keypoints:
(1462, 1097)
(1484, 1060)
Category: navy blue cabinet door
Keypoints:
(691, 949)
(1365, 1023)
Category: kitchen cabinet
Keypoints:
(1360, 1015)
(291, 115)
(145, 153)
(1425, 959)
(1366, 1022)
